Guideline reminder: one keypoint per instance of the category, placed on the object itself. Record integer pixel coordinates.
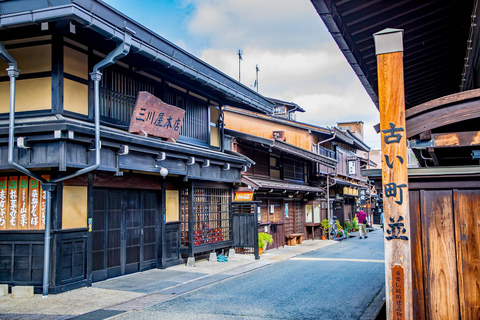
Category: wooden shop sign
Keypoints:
(154, 117)
(22, 203)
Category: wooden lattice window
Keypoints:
(118, 93)
(196, 123)
(211, 215)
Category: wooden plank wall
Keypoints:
(445, 231)
(417, 260)
(439, 256)
(467, 228)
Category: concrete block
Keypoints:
(191, 262)
(3, 290)
(212, 257)
(22, 292)
(231, 253)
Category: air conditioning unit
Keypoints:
(279, 135)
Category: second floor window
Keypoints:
(118, 93)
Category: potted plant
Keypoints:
(354, 224)
(325, 227)
(263, 240)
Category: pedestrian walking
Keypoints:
(381, 219)
(362, 224)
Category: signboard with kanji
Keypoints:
(154, 117)
(398, 267)
(22, 203)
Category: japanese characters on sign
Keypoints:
(3, 203)
(34, 200)
(398, 292)
(155, 117)
(12, 203)
(24, 213)
(394, 188)
(20, 203)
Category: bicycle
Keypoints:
(333, 228)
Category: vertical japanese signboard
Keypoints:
(22, 203)
(12, 223)
(398, 273)
(3, 203)
(34, 193)
(43, 204)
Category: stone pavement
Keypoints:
(143, 289)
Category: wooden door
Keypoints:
(149, 207)
(131, 238)
(124, 232)
(113, 233)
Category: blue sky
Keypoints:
(297, 57)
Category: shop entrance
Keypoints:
(124, 232)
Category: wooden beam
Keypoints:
(442, 116)
(398, 265)
(457, 139)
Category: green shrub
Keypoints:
(263, 239)
(325, 226)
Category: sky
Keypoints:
(298, 59)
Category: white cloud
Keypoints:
(297, 57)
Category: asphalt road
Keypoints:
(336, 282)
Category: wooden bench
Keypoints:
(294, 238)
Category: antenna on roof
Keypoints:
(240, 58)
(256, 77)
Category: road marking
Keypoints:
(339, 259)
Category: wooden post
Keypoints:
(398, 266)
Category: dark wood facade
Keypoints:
(445, 242)
(122, 217)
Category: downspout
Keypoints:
(120, 51)
(326, 140)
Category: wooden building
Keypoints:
(296, 165)
(441, 52)
(81, 198)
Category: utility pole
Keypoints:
(240, 58)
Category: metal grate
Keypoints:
(211, 216)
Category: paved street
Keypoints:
(316, 280)
(336, 282)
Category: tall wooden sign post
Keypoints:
(398, 267)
